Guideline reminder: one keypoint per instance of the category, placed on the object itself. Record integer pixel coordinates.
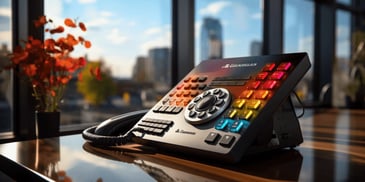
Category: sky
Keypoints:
(122, 30)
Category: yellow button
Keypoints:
(232, 113)
(239, 103)
(253, 104)
(247, 114)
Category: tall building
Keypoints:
(141, 69)
(159, 59)
(256, 48)
(211, 39)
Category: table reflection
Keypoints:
(333, 150)
(283, 164)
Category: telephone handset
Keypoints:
(223, 109)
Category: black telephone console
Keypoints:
(223, 109)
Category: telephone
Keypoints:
(223, 109)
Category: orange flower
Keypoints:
(82, 26)
(59, 29)
(48, 64)
(70, 23)
(87, 44)
(40, 22)
(30, 70)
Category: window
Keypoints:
(299, 37)
(346, 2)
(343, 55)
(132, 40)
(227, 29)
(5, 76)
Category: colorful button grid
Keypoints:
(190, 87)
(254, 96)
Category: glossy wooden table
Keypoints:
(333, 150)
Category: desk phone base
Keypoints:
(227, 108)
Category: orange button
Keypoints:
(172, 93)
(246, 94)
(187, 79)
(186, 93)
(180, 86)
(179, 94)
(261, 94)
(187, 86)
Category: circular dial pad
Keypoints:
(207, 105)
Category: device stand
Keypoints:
(281, 132)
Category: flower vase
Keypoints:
(47, 124)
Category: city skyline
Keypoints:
(120, 33)
(211, 40)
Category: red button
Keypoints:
(262, 75)
(269, 67)
(277, 75)
(253, 84)
(270, 84)
(284, 66)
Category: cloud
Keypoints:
(5, 12)
(86, 1)
(97, 22)
(229, 42)
(106, 13)
(214, 8)
(163, 40)
(5, 37)
(153, 31)
(116, 36)
(257, 16)
(54, 10)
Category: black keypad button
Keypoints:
(202, 114)
(202, 86)
(212, 138)
(191, 106)
(156, 109)
(227, 141)
(216, 91)
(192, 114)
(202, 79)
(177, 110)
(155, 126)
(219, 102)
(212, 110)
